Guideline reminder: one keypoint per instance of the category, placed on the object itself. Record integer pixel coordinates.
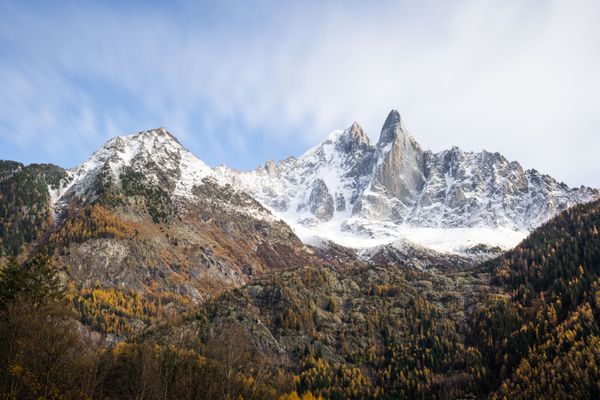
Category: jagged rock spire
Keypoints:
(357, 133)
(400, 172)
(353, 139)
(392, 128)
(392, 119)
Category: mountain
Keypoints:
(147, 274)
(143, 213)
(524, 325)
(146, 202)
(387, 198)
(363, 195)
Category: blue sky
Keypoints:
(243, 82)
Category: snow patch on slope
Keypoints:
(193, 171)
(443, 240)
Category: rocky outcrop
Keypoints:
(320, 201)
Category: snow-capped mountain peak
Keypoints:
(155, 154)
(350, 191)
(353, 193)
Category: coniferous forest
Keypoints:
(521, 326)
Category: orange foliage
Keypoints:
(93, 221)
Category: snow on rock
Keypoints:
(155, 155)
(395, 192)
(352, 192)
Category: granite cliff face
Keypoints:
(399, 172)
(451, 201)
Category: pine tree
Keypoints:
(36, 281)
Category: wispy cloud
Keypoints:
(241, 84)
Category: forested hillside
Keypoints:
(524, 325)
(542, 339)
(24, 203)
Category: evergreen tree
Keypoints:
(36, 281)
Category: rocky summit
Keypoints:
(143, 213)
(363, 195)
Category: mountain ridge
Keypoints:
(144, 212)
(348, 190)
(394, 186)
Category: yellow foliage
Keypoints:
(290, 396)
(92, 221)
(111, 310)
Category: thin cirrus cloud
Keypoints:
(240, 85)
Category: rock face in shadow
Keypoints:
(320, 201)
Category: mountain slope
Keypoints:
(143, 213)
(361, 195)
(542, 339)
(524, 325)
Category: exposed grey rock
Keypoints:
(398, 174)
(353, 140)
(320, 201)
(397, 182)
(340, 202)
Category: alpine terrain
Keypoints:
(358, 194)
(355, 271)
(143, 213)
